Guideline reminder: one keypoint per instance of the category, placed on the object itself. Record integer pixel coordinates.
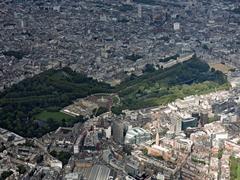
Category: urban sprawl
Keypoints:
(194, 138)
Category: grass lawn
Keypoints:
(234, 168)
(56, 116)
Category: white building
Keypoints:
(108, 132)
(72, 176)
(137, 135)
(56, 164)
(176, 26)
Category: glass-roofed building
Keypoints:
(137, 135)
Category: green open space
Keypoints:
(31, 107)
(234, 168)
(56, 116)
(159, 87)
(43, 95)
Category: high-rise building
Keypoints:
(189, 122)
(203, 118)
(119, 130)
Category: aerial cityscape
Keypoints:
(119, 90)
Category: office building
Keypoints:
(189, 122)
(137, 135)
(119, 129)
